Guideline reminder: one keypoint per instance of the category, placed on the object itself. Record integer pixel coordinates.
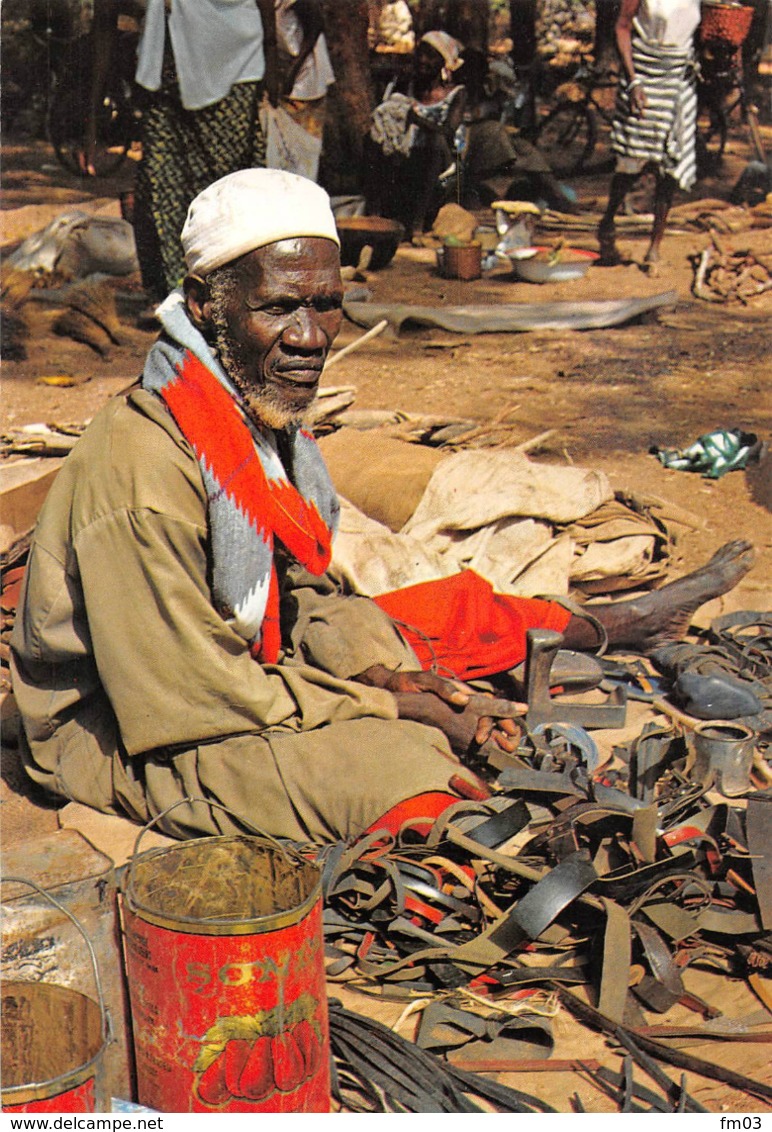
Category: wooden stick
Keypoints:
(527, 1065)
(495, 425)
(373, 332)
(699, 281)
(762, 1036)
(673, 713)
(535, 441)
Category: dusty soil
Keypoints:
(604, 396)
(607, 395)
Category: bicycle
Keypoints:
(47, 68)
(33, 42)
(721, 94)
(567, 134)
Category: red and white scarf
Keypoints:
(251, 500)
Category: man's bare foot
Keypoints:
(663, 616)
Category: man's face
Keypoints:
(274, 328)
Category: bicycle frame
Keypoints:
(721, 91)
(567, 132)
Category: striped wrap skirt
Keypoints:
(664, 135)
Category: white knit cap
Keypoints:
(249, 209)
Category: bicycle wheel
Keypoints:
(567, 136)
(115, 130)
(752, 121)
(711, 139)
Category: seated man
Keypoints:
(501, 164)
(177, 637)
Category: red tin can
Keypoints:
(53, 1038)
(52, 1045)
(225, 964)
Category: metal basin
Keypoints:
(572, 264)
(356, 232)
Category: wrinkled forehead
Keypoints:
(304, 262)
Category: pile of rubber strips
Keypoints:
(569, 885)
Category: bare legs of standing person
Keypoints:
(663, 199)
(621, 184)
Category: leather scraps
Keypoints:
(376, 1070)
(555, 889)
(594, 886)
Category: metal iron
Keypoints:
(543, 645)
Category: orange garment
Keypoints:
(460, 625)
(420, 812)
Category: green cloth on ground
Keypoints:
(714, 454)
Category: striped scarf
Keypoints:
(251, 501)
(666, 132)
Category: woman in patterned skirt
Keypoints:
(202, 69)
(656, 113)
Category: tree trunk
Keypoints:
(350, 101)
(606, 12)
(753, 47)
(522, 30)
(466, 20)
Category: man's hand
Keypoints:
(449, 705)
(452, 691)
(467, 729)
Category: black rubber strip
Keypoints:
(421, 1082)
(545, 901)
(665, 1053)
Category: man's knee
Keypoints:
(343, 777)
(327, 784)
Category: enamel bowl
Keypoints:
(572, 264)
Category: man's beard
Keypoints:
(264, 404)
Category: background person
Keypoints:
(656, 112)
(306, 74)
(410, 142)
(498, 162)
(202, 68)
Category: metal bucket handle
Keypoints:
(107, 1035)
(291, 856)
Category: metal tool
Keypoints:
(543, 645)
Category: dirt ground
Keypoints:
(604, 397)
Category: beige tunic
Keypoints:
(134, 691)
